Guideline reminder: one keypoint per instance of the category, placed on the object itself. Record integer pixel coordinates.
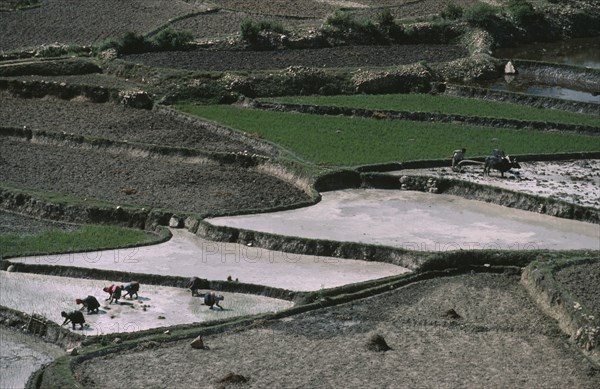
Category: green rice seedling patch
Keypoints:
(352, 141)
(85, 238)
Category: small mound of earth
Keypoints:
(451, 314)
(232, 378)
(377, 343)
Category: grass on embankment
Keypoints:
(348, 141)
(84, 238)
(445, 105)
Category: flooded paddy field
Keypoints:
(21, 355)
(421, 221)
(157, 306)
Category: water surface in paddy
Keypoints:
(584, 52)
(21, 355)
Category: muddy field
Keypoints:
(156, 306)
(583, 281)
(114, 122)
(576, 182)
(124, 178)
(498, 338)
(91, 21)
(337, 57)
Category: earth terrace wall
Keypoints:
(19, 201)
(62, 90)
(49, 67)
(53, 332)
(558, 303)
(424, 117)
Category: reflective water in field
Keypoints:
(21, 355)
(584, 52)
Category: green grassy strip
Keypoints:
(84, 238)
(347, 141)
(446, 105)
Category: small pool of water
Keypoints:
(522, 84)
(584, 52)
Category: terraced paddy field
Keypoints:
(482, 318)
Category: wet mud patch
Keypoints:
(574, 181)
(21, 355)
(157, 306)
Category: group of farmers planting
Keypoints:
(116, 291)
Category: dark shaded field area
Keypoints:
(337, 57)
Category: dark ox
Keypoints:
(502, 164)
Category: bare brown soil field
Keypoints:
(149, 182)
(57, 21)
(114, 122)
(499, 339)
(94, 79)
(223, 22)
(582, 281)
(89, 22)
(11, 223)
(335, 57)
(323, 8)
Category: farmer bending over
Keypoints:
(114, 292)
(194, 284)
(457, 156)
(90, 303)
(211, 299)
(130, 289)
(75, 317)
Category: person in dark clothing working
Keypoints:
(130, 289)
(194, 284)
(90, 303)
(211, 299)
(75, 317)
(457, 156)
